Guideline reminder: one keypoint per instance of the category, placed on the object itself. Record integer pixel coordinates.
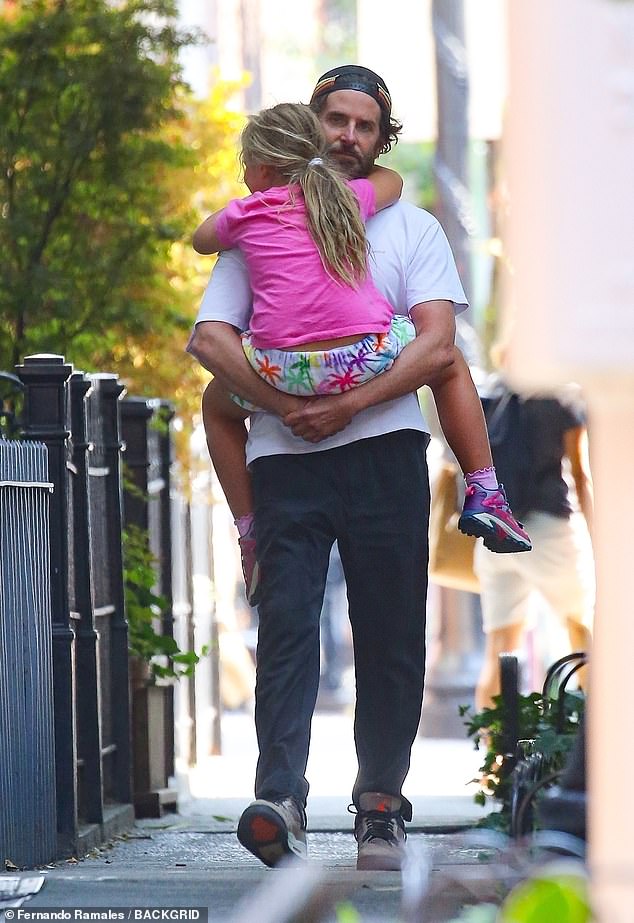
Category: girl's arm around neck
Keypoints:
(388, 186)
(205, 239)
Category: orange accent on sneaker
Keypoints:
(383, 806)
(264, 831)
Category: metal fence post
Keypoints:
(111, 391)
(90, 784)
(166, 415)
(184, 629)
(46, 418)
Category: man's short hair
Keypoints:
(362, 79)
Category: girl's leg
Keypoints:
(461, 416)
(226, 436)
(486, 511)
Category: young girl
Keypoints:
(319, 325)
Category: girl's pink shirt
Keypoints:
(295, 301)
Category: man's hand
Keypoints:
(321, 417)
(419, 362)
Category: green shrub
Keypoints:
(551, 725)
(145, 609)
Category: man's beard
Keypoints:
(354, 164)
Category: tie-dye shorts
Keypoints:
(317, 373)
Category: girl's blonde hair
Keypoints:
(288, 137)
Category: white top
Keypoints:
(411, 263)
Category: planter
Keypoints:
(152, 706)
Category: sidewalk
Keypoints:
(194, 860)
(437, 784)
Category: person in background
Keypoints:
(540, 445)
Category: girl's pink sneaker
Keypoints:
(487, 515)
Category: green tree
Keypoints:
(106, 163)
(84, 90)
(154, 362)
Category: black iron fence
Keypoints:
(27, 778)
(113, 740)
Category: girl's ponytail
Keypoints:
(334, 221)
(289, 138)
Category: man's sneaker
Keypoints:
(250, 569)
(379, 830)
(486, 514)
(273, 830)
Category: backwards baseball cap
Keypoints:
(354, 77)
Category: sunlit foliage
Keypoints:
(107, 164)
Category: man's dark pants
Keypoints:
(373, 497)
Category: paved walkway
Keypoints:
(194, 860)
(437, 784)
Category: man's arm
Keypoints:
(216, 345)
(417, 365)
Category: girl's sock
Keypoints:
(485, 477)
(244, 525)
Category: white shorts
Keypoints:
(560, 567)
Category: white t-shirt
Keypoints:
(411, 262)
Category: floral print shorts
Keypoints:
(332, 371)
